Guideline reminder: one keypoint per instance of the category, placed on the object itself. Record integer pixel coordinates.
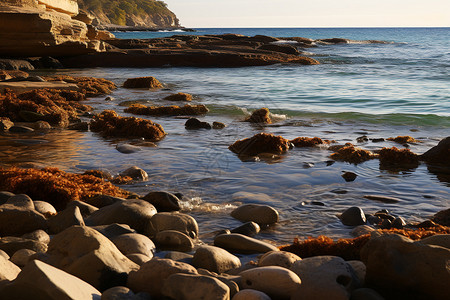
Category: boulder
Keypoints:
(277, 282)
(353, 216)
(179, 256)
(194, 123)
(260, 143)
(173, 240)
(8, 270)
(103, 200)
(398, 266)
(365, 294)
(132, 243)
(38, 235)
(136, 213)
(173, 221)
(87, 254)
(442, 217)
(151, 276)
(69, 217)
(113, 230)
(439, 154)
(172, 110)
(179, 97)
(12, 244)
(135, 173)
(85, 208)
(41, 281)
(260, 116)
(261, 214)
(193, 287)
(324, 277)
(249, 229)
(218, 125)
(21, 257)
(360, 269)
(163, 201)
(229, 280)
(127, 148)
(278, 258)
(215, 259)
(250, 294)
(442, 240)
(142, 83)
(238, 243)
(21, 201)
(15, 64)
(288, 49)
(123, 293)
(139, 258)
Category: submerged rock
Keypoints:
(439, 154)
(260, 143)
(194, 123)
(179, 97)
(403, 139)
(260, 116)
(143, 83)
(308, 142)
(109, 123)
(352, 154)
(172, 110)
(394, 156)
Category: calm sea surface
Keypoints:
(378, 90)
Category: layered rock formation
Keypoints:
(44, 28)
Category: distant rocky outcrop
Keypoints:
(136, 13)
(45, 28)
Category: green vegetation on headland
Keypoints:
(131, 12)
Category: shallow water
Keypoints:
(378, 90)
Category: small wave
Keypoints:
(176, 30)
(285, 42)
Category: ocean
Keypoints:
(373, 89)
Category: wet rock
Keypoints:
(398, 266)
(365, 294)
(85, 208)
(136, 173)
(114, 230)
(42, 125)
(215, 259)
(362, 139)
(386, 224)
(334, 41)
(172, 110)
(39, 280)
(277, 282)
(127, 148)
(130, 243)
(173, 240)
(193, 287)
(163, 201)
(80, 126)
(324, 277)
(20, 129)
(8, 270)
(249, 229)
(11, 244)
(238, 243)
(442, 217)
(194, 123)
(218, 125)
(65, 219)
(384, 199)
(288, 49)
(179, 97)
(90, 256)
(173, 221)
(260, 143)
(136, 213)
(377, 140)
(30, 220)
(151, 276)
(21, 257)
(349, 176)
(260, 116)
(109, 123)
(261, 214)
(352, 154)
(142, 83)
(439, 154)
(398, 223)
(403, 139)
(394, 156)
(353, 216)
(250, 294)
(278, 258)
(300, 142)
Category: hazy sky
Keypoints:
(316, 13)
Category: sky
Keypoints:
(313, 13)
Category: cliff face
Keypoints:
(146, 13)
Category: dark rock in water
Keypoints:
(353, 216)
(386, 224)
(349, 176)
(30, 116)
(260, 116)
(339, 191)
(335, 41)
(384, 215)
(46, 62)
(384, 199)
(398, 223)
(260, 143)
(391, 158)
(377, 140)
(194, 123)
(15, 64)
(439, 154)
(179, 97)
(288, 49)
(127, 148)
(142, 82)
(41, 125)
(307, 165)
(80, 126)
(362, 139)
(135, 173)
(442, 217)
(318, 203)
(218, 125)
(163, 201)
(20, 129)
(373, 220)
(248, 229)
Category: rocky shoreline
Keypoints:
(85, 237)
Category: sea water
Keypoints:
(380, 90)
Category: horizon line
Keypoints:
(308, 27)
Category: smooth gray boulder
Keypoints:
(44, 208)
(258, 213)
(30, 220)
(173, 240)
(194, 287)
(64, 219)
(250, 294)
(238, 243)
(11, 244)
(278, 258)
(215, 259)
(163, 201)
(173, 221)
(134, 243)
